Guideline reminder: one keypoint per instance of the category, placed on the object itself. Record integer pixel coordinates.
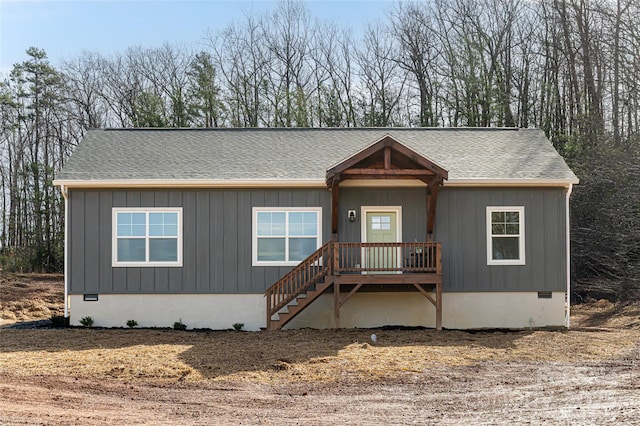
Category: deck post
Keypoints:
(432, 202)
(336, 304)
(439, 287)
(335, 200)
(268, 311)
(439, 305)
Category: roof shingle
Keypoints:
(304, 154)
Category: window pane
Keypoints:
(155, 230)
(131, 224)
(163, 250)
(303, 224)
(375, 223)
(131, 250)
(506, 248)
(138, 230)
(386, 223)
(512, 217)
(139, 218)
(163, 224)
(271, 223)
(498, 229)
(156, 218)
(295, 217)
(310, 228)
(271, 249)
(124, 230)
(301, 248)
(497, 217)
(170, 230)
(171, 218)
(513, 229)
(124, 218)
(295, 223)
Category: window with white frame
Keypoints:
(505, 235)
(147, 237)
(285, 236)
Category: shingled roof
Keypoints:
(143, 156)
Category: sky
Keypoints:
(65, 28)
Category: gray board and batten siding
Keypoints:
(461, 228)
(217, 237)
(216, 240)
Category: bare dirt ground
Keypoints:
(27, 297)
(587, 375)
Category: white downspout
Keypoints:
(568, 254)
(65, 195)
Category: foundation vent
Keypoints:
(544, 295)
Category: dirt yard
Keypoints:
(587, 375)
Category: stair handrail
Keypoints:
(298, 280)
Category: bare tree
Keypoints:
(382, 80)
(418, 53)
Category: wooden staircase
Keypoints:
(299, 287)
(355, 264)
(296, 306)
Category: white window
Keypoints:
(285, 236)
(505, 235)
(147, 237)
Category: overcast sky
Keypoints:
(65, 28)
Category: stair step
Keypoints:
(298, 304)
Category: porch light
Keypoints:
(351, 215)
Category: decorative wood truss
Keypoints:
(387, 159)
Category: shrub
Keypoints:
(59, 321)
(132, 323)
(238, 326)
(179, 325)
(86, 321)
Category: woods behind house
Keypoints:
(571, 68)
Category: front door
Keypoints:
(381, 226)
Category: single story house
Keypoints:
(455, 228)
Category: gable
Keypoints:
(386, 159)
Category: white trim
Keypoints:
(521, 235)
(254, 233)
(65, 195)
(568, 257)
(192, 183)
(146, 264)
(510, 182)
(363, 227)
(288, 183)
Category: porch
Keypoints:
(347, 267)
(382, 257)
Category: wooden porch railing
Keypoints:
(348, 259)
(416, 257)
(298, 280)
